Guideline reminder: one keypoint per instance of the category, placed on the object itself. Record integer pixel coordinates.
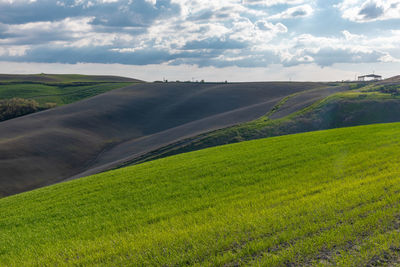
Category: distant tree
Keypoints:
(15, 107)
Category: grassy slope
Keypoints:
(58, 88)
(321, 197)
(62, 78)
(60, 94)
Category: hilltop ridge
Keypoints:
(57, 78)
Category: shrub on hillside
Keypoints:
(49, 105)
(390, 89)
(15, 107)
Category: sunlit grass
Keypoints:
(329, 197)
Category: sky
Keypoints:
(216, 40)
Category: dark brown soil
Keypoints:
(305, 99)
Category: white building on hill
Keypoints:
(370, 77)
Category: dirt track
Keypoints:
(102, 132)
(305, 99)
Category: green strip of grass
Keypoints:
(328, 197)
(61, 78)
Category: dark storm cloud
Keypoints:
(329, 56)
(35, 37)
(120, 13)
(252, 33)
(73, 55)
(46, 10)
(371, 11)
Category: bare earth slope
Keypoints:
(105, 131)
(305, 99)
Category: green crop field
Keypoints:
(24, 94)
(62, 78)
(319, 198)
(59, 94)
(58, 89)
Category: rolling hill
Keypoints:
(311, 110)
(110, 129)
(24, 94)
(319, 198)
(59, 89)
(62, 78)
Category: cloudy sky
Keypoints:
(215, 40)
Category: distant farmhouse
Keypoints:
(370, 77)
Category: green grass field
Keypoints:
(62, 78)
(60, 94)
(319, 198)
(58, 89)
